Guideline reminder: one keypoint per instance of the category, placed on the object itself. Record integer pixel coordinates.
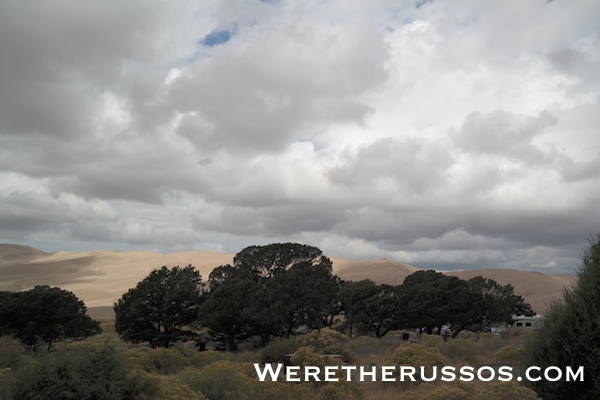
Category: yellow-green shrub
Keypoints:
(203, 358)
(416, 355)
(510, 353)
(507, 391)
(460, 350)
(328, 341)
(168, 361)
(172, 388)
(340, 391)
(490, 342)
(432, 340)
(221, 380)
(139, 358)
(447, 391)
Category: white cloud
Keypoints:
(463, 133)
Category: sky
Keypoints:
(443, 134)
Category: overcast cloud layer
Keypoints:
(448, 135)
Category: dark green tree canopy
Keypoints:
(499, 301)
(570, 335)
(267, 260)
(161, 308)
(45, 315)
(280, 287)
(434, 299)
(371, 309)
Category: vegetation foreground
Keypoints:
(105, 367)
(258, 308)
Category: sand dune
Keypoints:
(101, 277)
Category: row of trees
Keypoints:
(272, 291)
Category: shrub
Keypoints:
(416, 355)
(274, 352)
(168, 361)
(204, 358)
(328, 341)
(432, 340)
(489, 342)
(282, 390)
(221, 380)
(7, 379)
(247, 357)
(460, 350)
(510, 353)
(513, 331)
(95, 373)
(507, 391)
(142, 385)
(569, 334)
(449, 391)
(174, 389)
(11, 352)
(139, 358)
(340, 391)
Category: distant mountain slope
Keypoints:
(380, 271)
(101, 277)
(536, 288)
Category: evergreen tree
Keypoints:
(45, 315)
(570, 335)
(160, 308)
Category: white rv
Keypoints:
(527, 323)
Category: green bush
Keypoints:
(274, 352)
(221, 380)
(328, 341)
(11, 352)
(85, 374)
(568, 335)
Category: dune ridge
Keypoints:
(100, 277)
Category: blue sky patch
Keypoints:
(216, 37)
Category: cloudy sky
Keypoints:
(450, 135)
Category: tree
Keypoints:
(371, 308)
(499, 302)
(161, 308)
(45, 315)
(569, 333)
(270, 291)
(353, 295)
(381, 312)
(267, 260)
(302, 295)
(226, 309)
(434, 299)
